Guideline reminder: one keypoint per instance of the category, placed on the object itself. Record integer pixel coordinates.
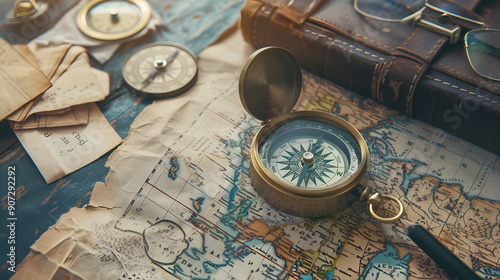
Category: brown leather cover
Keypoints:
(411, 69)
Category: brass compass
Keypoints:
(305, 163)
(113, 19)
(160, 70)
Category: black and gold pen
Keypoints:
(449, 262)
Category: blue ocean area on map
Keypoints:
(387, 264)
(381, 148)
(328, 276)
(490, 271)
(174, 162)
(242, 145)
(234, 190)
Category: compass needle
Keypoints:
(302, 175)
(171, 57)
(317, 144)
(149, 78)
(159, 65)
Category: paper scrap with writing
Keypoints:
(62, 150)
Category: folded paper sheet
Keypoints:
(74, 81)
(80, 84)
(20, 81)
(54, 59)
(76, 115)
(62, 150)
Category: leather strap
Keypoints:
(396, 80)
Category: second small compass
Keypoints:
(160, 70)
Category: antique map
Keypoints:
(178, 202)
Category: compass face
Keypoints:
(113, 16)
(113, 19)
(310, 154)
(160, 69)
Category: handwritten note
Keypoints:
(62, 150)
(19, 79)
(80, 84)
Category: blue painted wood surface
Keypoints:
(192, 23)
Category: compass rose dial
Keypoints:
(160, 69)
(310, 154)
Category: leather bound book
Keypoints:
(405, 67)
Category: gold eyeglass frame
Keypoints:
(416, 18)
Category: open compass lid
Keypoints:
(270, 83)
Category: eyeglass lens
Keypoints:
(483, 50)
(390, 9)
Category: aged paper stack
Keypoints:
(50, 94)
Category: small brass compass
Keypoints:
(160, 70)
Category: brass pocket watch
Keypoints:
(113, 19)
(305, 163)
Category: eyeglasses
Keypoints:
(483, 51)
(482, 44)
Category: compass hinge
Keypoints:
(368, 194)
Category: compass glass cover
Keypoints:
(310, 154)
(141, 70)
(114, 16)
